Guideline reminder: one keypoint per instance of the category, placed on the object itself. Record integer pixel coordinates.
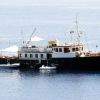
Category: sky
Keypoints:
(69, 3)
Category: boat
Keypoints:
(10, 65)
(63, 56)
(15, 64)
(9, 62)
(47, 68)
(73, 55)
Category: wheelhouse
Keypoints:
(69, 50)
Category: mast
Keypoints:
(77, 31)
(28, 42)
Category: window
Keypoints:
(56, 49)
(82, 48)
(49, 56)
(41, 55)
(53, 49)
(77, 49)
(66, 50)
(31, 55)
(25, 55)
(20, 55)
(54, 44)
(73, 49)
(36, 55)
(60, 49)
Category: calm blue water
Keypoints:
(48, 85)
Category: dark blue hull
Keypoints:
(8, 60)
(78, 63)
(32, 63)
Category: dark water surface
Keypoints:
(18, 84)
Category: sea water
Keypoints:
(18, 84)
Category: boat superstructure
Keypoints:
(68, 50)
(34, 56)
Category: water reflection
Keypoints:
(33, 73)
(8, 72)
(47, 72)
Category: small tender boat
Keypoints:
(15, 64)
(47, 68)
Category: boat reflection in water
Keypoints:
(47, 71)
(47, 68)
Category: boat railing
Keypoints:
(92, 54)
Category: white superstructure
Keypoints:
(34, 53)
(67, 50)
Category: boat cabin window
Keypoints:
(56, 49)
(54, 44)
(20, 55)
(60, 49)
(25, 55)
(82, 48)
(75, 49)
(41, 55)
(31, 55)
(36, 55)
(66, 50)
(33, 46)
(49, 56)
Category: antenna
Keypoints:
(77, 31)
(22, 36)
(31, 36)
